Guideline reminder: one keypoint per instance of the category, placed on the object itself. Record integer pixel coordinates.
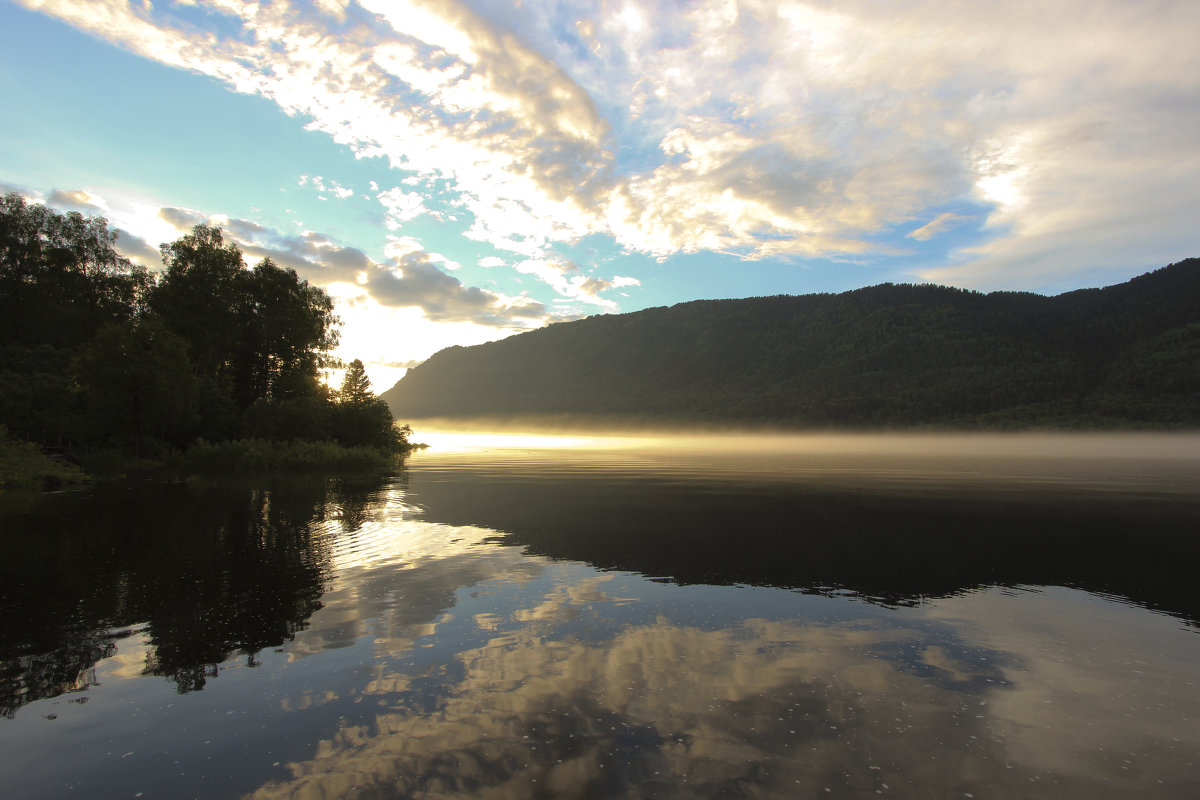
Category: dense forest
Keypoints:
(100, 354)
(886, 356)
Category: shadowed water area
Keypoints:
(986, 616)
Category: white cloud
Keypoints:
(759, 128)
(78, 200)
(401, 206)
(938, 225)
(326, 186)
(137, 249)
(569, 281)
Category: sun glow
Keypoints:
(446, 441)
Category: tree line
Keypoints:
(887, 356)
(97, 352)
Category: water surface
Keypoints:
(619, 617)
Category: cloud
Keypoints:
(414, 280)
(138, 249)
(765, 129)
(182, 219)
(324, 186)
(418, 282)
(78, 200)
(569, 281)
(938, 225)
(872, 706)
(401, 206)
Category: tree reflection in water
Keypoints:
(209, 570)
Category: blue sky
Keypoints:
(454, 171)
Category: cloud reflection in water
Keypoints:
(934, 702)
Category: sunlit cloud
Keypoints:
(78, 200)
(938, 225)
(569, 281)
(416, 281)
(398, 313)
(767, 130)
(326, 187)
(401, 206)
(136, 249)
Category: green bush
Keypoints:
(25, 465)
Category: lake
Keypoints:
(517, 616)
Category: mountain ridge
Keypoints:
(890, 355)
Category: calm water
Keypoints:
(518, 617)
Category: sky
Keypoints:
(456, 171)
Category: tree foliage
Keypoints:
(883, 356)
(356, 386)
(97, 351)
(261, 331)
(61, 278)
(362, 417)
(137, 386)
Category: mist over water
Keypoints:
(1163, 462)
(522, 614)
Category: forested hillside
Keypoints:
(884, 356)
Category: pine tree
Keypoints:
(356, 386)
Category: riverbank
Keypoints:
(25, 465)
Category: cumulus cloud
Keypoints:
(767, 129)
(137, 249)
(416, 281)
(182, 219)
(78, 200)
(401, 206)
(570, 282)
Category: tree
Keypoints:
(286, 328)
(137, 385)
(362, 418)
(197, 297)
(262, 333)
(61, 278)
(356, 386)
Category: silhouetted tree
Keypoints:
(261, 333)
(61, 277)
(361, 417)
(356, 386)
(197, 297)
(137, 385)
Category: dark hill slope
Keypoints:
(881, 356)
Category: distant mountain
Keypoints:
(884, 356)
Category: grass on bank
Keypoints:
(262, 455)
(24, 465)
